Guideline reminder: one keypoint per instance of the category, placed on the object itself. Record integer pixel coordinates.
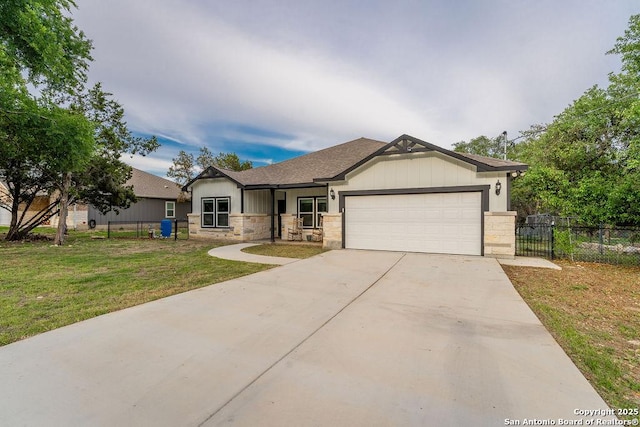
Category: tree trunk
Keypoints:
(12, 234)
(64, 210)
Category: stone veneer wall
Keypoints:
(242, 227)
(332, 225)
(500, 234)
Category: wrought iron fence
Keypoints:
(596, 244)
(147, 229)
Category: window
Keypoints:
(321, 207)
(169, 209)
(222, 210)
(309, 209)
(305, 211)
(215, 212)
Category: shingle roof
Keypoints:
(152, 186)
(493, 162)
(335, 162)
(304, 169)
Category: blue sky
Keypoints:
(270, 80)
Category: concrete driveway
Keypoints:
(344, 338)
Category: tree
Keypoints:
(231, 161)
(44, 143)
(483, 146)
(40, 45)
(57, 139)
(182, 170)
(40, 48)
(101, 182)
(184, 165)
(594, 145)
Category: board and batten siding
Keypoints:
(144, 210)
(420, 170)
(257, 201)
(216, 187)
(295, 193)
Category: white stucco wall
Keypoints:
(420, 170)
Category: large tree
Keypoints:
(57, 138)
(590, 154)
(40, 45)
(101, 181)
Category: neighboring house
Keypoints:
(406, 195)
(5, 215)
(158, 199)
(40, 202)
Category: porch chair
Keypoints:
(317, 233)
(295, 232)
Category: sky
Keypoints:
(270, 80)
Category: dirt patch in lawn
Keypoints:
(593, 311)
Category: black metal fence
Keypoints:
(595, 244)
(147, 229)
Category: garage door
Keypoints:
(447, 223)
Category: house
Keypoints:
(40, 202)
(158, 199)
(406, 195)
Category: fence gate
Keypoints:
(535, 240)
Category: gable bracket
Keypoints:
(406, 145)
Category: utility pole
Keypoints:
(504, 134)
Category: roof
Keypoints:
(152, 186)
(496, 163)
(302, 170)
(335, 162)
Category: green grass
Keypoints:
(603, 370)
(285, 250)
(43, 287)
(592, 312)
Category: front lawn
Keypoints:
(593, 311)
(43, 287)
(285, 250)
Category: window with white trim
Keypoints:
(169, 209)
(215, 212)
(310, 210)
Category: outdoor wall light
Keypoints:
(498, 188)
(332, 194)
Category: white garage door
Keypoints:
(447, 223)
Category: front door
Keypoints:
(282, 208)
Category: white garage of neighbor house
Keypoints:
(406, 195)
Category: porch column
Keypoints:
(273, 214)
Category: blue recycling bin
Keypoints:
(165, 228)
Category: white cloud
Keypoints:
(326, 72)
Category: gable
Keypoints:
(424, 169)
(410, 146)
(216, 187)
